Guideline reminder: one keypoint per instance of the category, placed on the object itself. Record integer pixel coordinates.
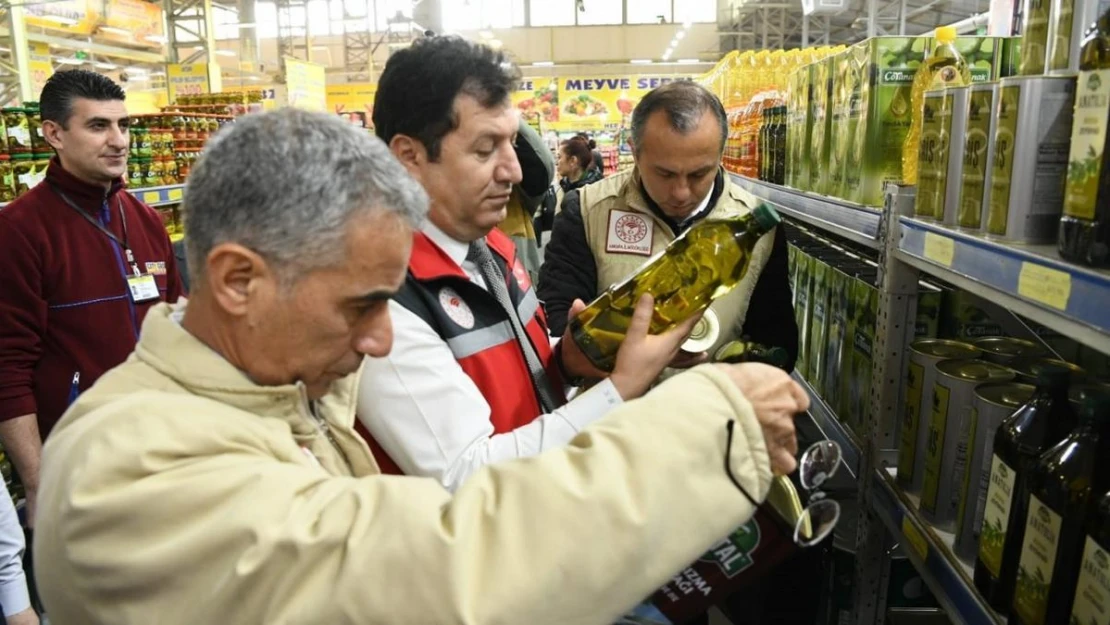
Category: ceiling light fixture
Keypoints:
(103, 65)
(641, 61)
(244, 25)
(543, 63)
(69, 61)
(112, 30)
(680, 35)
(689, 61)
(137, 70)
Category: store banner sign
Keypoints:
(77, 17)
(538, 99)
(589, 103)
(353, 101)
(38, 61)
(305, 84)
(187, 79)
(134, 22)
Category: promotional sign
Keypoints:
(134, 22)
(76, 17)
(187, 79)
(305, 84)
(603, 102)
(354, 102)
(38, 60)
(538, 98)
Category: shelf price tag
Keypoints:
(175, 195)
(1045, 285)
(939, 249)
(914, 538)
(151, 197)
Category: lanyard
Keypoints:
(96, 224)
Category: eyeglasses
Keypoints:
(812, 524)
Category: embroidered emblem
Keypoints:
(456, 308)
(629, 233)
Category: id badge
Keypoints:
(143, 288)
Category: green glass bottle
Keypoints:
(1020, 440)
(699, 266)
(1092, 588)
(1084, 235)
(1060, 490)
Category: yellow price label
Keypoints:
(175, 195)
(1045, 285)
(939, 249)
(914, 538)
(151, 197)
(177, 236)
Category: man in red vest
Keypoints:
(472, 378)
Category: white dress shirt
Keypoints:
(430, 417)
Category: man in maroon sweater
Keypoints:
(81, 262)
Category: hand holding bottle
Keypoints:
(641, 357)
(776, 399)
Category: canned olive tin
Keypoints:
(993, 402)
(945, 457)
(917, 405)
(1065, 36)
(1032, 141)
(1004, 350)
(954, 127)
(929, 202)
(1027, 369)
(975, 188)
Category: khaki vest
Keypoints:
(621, 192)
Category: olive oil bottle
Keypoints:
(944, 67)
(1089, 605)
(1021, 438)
(699, 266)
(1084, 235)
(1060, 489)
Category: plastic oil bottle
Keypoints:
(945, 67)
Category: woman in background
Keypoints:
(574, 164)
(596, 161)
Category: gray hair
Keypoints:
(685, 103)
(286, 184)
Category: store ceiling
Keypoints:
(743, 20)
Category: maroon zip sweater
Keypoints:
(65, 307)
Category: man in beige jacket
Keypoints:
(215, 476)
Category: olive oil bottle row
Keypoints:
(849, 115)
(1039, 551)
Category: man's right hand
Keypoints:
(643, 356)
(776, 399)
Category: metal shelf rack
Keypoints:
(1029, 280)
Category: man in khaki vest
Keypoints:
(607, 230)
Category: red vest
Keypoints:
(477, 330)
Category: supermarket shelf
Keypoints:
(155, 196)
(854, 222)
(831, 427)
(160, 196)
(930, 551)
(1030, 280)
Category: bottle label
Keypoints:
(934, 451)
(976, 146)
(1038, 559)
(1003, 166)
(1088, 142)
(996, 515)
(929, 154)
(915, 378)
(964, 450)
(1092, 593)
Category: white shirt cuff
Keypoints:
(591, 405)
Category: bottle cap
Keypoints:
(766, 217)
(704, 335)
(946, 34)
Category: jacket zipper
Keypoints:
(74, 388)
(323, 427)
(123, 274)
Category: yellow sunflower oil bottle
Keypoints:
(944, 67)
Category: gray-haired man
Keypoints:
(215, 476)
